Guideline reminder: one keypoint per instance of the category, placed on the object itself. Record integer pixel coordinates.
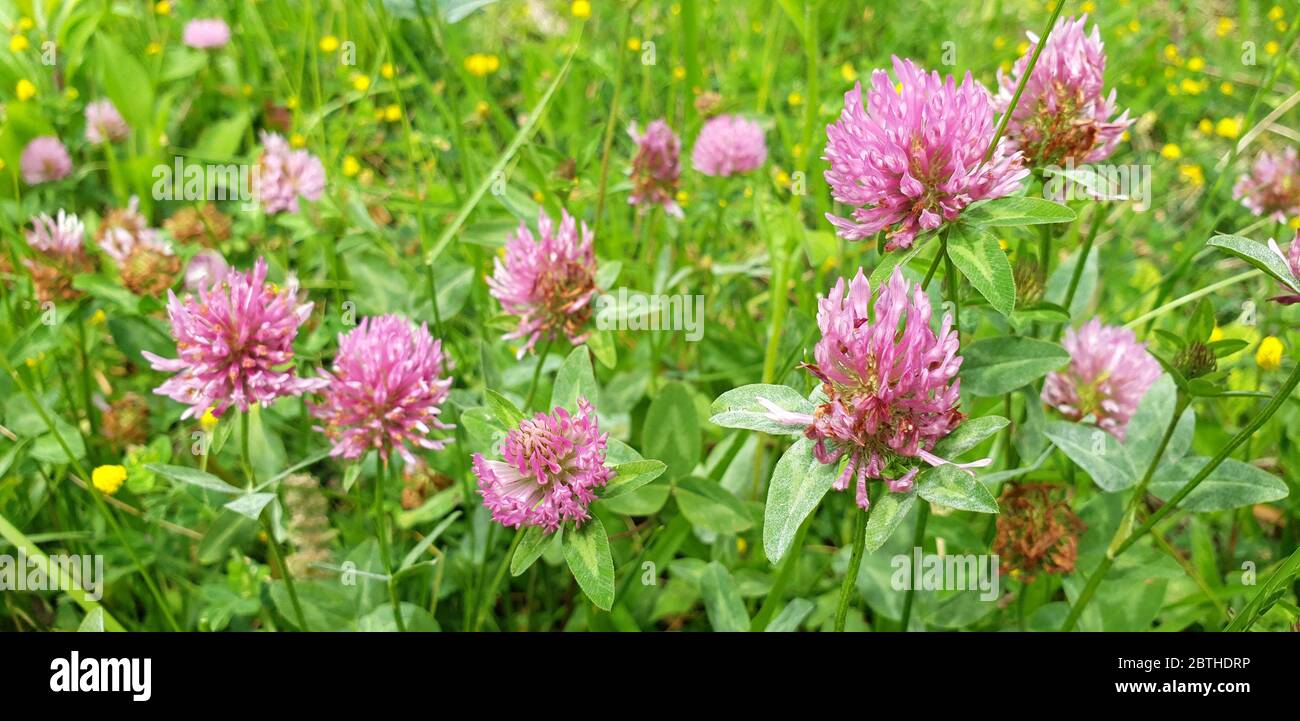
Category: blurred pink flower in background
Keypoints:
(235, 342)
(205, 269)
(548, 282)
(64, 235)
(123, 230)
(912, 158)
(553, 464)
(386, 389)
(45, 160)
(1063, 115)
(104, 123)
(729, 145)
(657, 167)
(1109, 372)
(285, 174)
(1272, 187)
(206, 33)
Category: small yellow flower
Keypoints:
(1216, 335)
(1196, 64)
(107, 479)
(1226, 88)
(71, 93)
(360, 82)
(1228, 127)
(682, 197)
(1134, 25)
(1269, 355)
(538, 197)
(1224, 26)
(163, 7)
(18, 43)
(1022, 48)
(1171, 152)
(25, 23)
(351, 166)
(797, 150)
(722, 202)
(98, 318)
(481, 65)
(580, 9)
(291, 103)
(782, 178)
(794, 99)
(152, 49)
(1171, 53)
(329, 44)
(1191, 87)
(999, 42)
(26, 90)
(297, 141)
(1281, 26)
(1003, 244)
(740, 544)
(679, 72)
(1088, 6)
(634, 44)
(393, 113)
(1205, 126)
(1276, 13)
(208, 421)
(848, 72)
(387, 71)
(1271, 47)
(1192, 173)
(1293, 224)
(481, 108)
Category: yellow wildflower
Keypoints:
(1269, 355)
(107, 479)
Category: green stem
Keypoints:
(272, 544)
(775, 593)
(537, 373)
(385, 556)
(1077, 273)
(85, 388)
(490, 592)
(950, 280)
(851, 573)
(1020, 87)
(918, 540)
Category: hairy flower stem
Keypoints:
(385, 556)
(774, 594)
(855, 562)
(272, 545)
(1126, 521)
(918, 539)
(950, 280)
(85, 389)
(1020, 87)
(490, 591)
(537, 373)
(1077, 273)
(1172, 504)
